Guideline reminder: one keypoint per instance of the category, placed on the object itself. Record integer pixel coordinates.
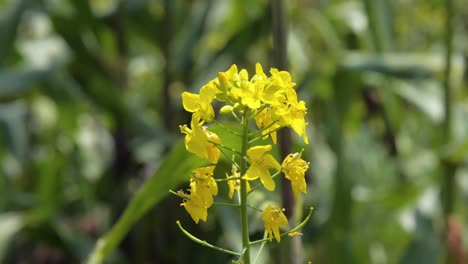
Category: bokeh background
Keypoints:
(90, 107)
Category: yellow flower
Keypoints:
(196, 140)
(202, 189)
(292, 114)
(195, 206)
(212, 151)
(267, 123)
(273, 218)
(203, 184)
(200, 104)
(294, 168)
(228, 79)
(278, 86)
(234, 184)
(260, 163)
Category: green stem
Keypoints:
(265, 234)
(204, 243)
(227, 129)
(227, 204)
(449, 168)
(243, 189)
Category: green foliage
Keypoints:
(90, 104)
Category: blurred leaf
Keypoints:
(425, 247)
(425, 95)
(380, 23)
(13, 116)
(16, 82)
(193, 32)
(10, 224)
(174, 170)
(405, 65)
(9, 20)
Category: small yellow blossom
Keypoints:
(202, 189)
(195, 206)
(197, 140)
(266, 122)
(203, 183)
(260, 163)
(200, 104)
(294, 168)
(273, 218)
(234, 184)
(293, 234)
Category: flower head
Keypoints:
(294, 168)
(273, 218)
(203, 183)
(197, 140)
(195, 207)
(202, 189)
(260, 163)
(200, 104)
(266, 121)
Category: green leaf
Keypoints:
(15, 83)
(13, 118)
(9, 20)
(10, 224)
(175, 169)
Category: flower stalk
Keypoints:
(243, 191)
(269, 102)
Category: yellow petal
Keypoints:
(266, 180)
(190, 101)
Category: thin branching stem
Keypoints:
(204, 243)
(290, 231)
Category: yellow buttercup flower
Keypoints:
(200, 104)
(197, 140)
(294, 168)
(273, 218)
(260, 163)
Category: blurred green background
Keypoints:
(90, 107)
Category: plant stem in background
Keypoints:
(280, 60)
(243, 190)
(448, 167)
(166, 106)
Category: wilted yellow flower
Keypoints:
(203, 184)
(196, 140)
(294, 168)
(273, 218)
(195, 206)
(200, 104)
(202, 189)
(260, 163)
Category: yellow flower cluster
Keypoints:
(270, 102)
